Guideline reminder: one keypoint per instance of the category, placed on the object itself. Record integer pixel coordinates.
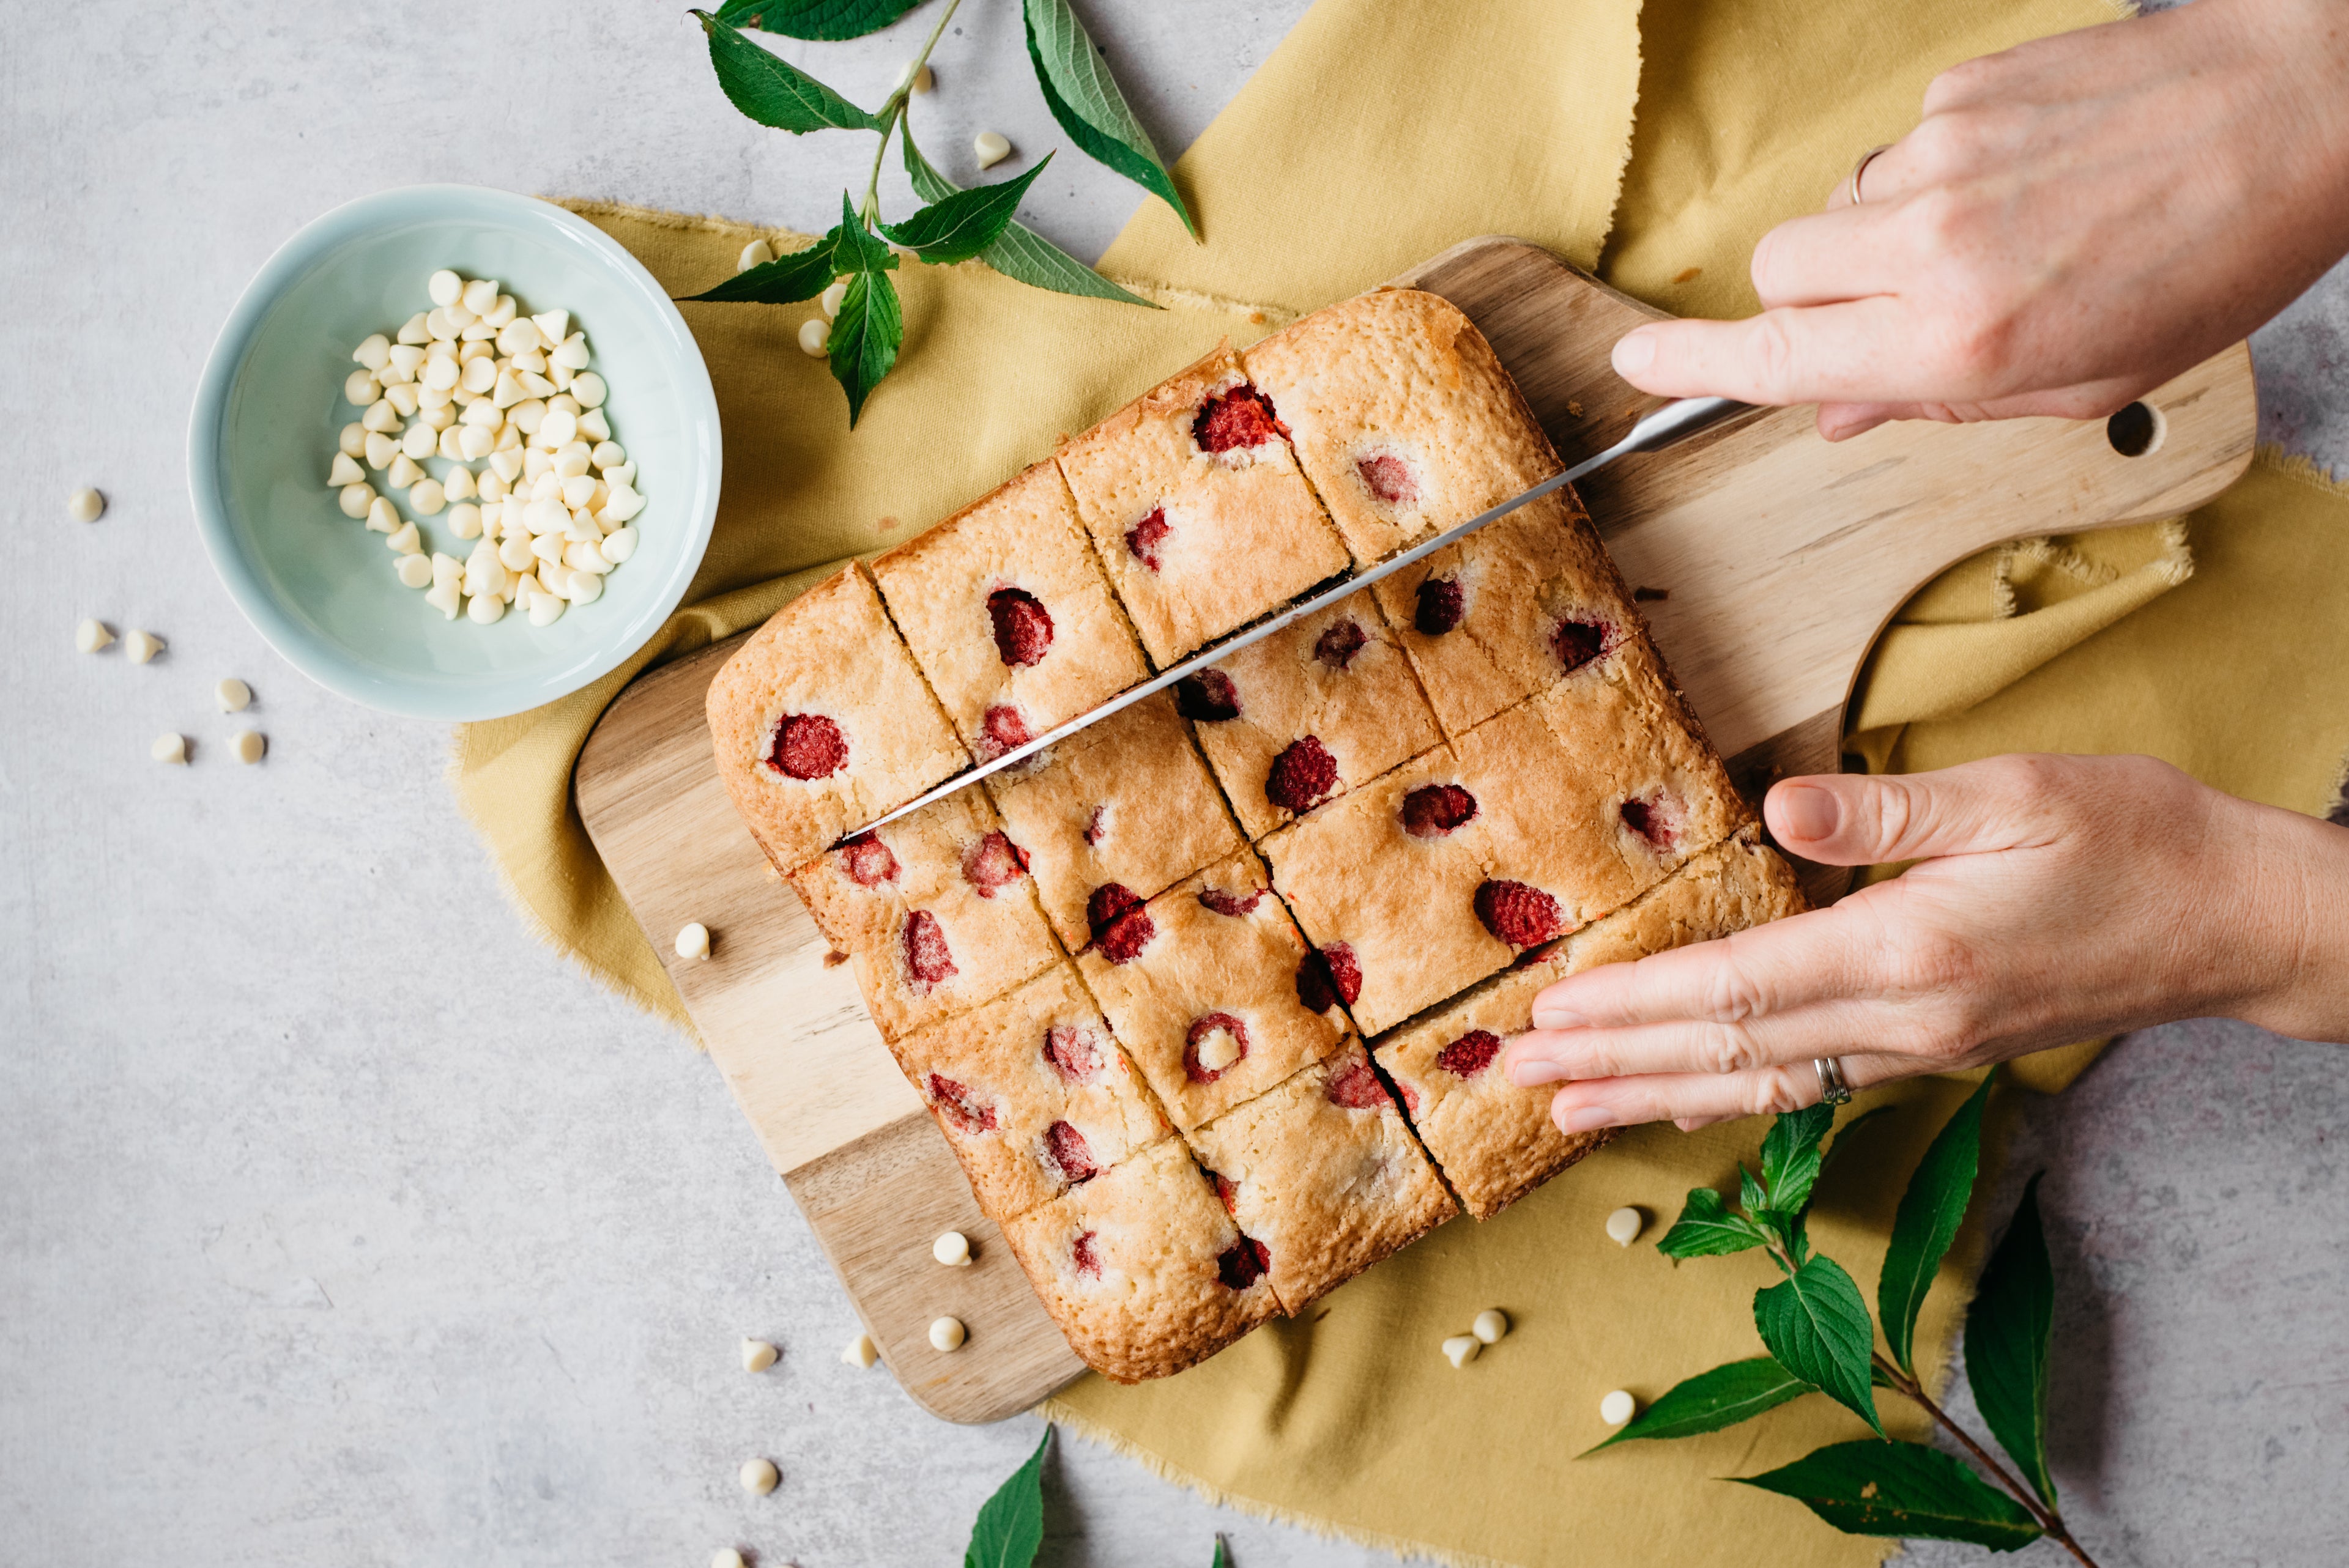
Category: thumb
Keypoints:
(1810, 353)
(1852, 819)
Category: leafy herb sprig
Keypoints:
(1009, 1528)
(1820, 1340)
(953, 225)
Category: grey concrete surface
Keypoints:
(340, 1221)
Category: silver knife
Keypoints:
(1668, 425)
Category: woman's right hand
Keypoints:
(2073, 223)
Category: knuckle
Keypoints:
(1772, 357)
(1727, 1049)
(1775, 1093)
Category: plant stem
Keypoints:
(2049, 1520)
(893, 111)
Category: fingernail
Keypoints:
(1634, 352)
(1810, 811)
(1556, 1018)
(1533, 1075)
(1586, 1119)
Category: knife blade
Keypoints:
(1669, 425)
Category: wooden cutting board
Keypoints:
(1782, 556)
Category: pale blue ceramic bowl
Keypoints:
(318, 586)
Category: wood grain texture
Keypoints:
(1782, 555)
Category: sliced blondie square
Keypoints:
(1009, 616)
(1593, 791)
(820, 721)
(1308, 713)
(1521, 602)
(1496, 1141)
(1032, 1092)
(936, 909)
(1114, 815)
(1385, 882)
(1197, 508)
(1400, 416)
(1141, 1269)
(1201, 986)
(1323, 1173)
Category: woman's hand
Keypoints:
(2073, 223)
(2057, 898)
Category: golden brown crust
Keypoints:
(1243, 533)
(1400, 376)
(1126, 802)
(1411, 924)
(940, 888)
(1154, 1299)
(830, 653)
(1496, 1141)
(1033, 1092)
(1324, 1173)
(1199, 964)
(1519, 580)
(1336, 678)
(1024, 539)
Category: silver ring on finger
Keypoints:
(1833, 1087)
(1851, 181)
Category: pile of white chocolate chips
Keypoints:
(472, 381)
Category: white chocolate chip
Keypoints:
(1490, 1325)
(1461, 1349)
(352, 439)
(233, 695)
(405, 471)
(484, 609)
(756, 253)
(356, 499)
(361, 388)
(952, 1249)
(619, 544)
(831, 296)
(480, 296)
(1218, 1050)
(589, 389)
(345, 470)
(381, 451)
(544, 608)
(141, 645)
(947, 1333)
(815, 337)
(1616, 1407)
(460, 484)
(414, 570)
(553, 326)
(169, 749)
(1624, 1225)
(693, 940)
(443, 597)
(411, 331)
(919, 81)
(861, 1351)
(405, 540)
(585, 587)
(571, 352)
(759, 1477)
(92, 636)
(427, 496)
(445, 287)
(758, 1354)
(247, 746)
(991, 147)
(727, 1557)
(382, 516)
(85, 505)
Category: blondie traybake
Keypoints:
(1131, 979)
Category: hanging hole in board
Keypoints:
(2133, 432)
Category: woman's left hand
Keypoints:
(2056, 899)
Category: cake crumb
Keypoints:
(1687, 275)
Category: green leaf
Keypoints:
(773, 91)
(870, 326)
(1752, 1196)
(1009, 1528)
(2007, 1331)
(1707, 1229)
(786, 280)
(1790, 1155)
(820, 19)
(961, 225)
(1867, 1488)
(1085, 99)
(1816, 1325)
(1711, 1400)
(1926, 1221)
(1223, 1554)
(1019, 253)
(1834, 1152)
